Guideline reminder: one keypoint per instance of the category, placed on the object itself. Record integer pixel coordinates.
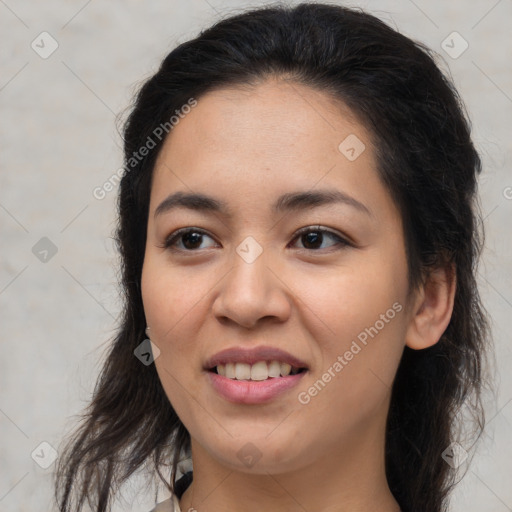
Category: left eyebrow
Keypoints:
(293, 201)
(313, 199)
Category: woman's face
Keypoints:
(272, 160)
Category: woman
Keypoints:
(299, 243)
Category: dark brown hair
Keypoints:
(430, 166)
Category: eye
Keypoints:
(191, 238)
(315, 235)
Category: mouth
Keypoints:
(257, 387)
(259, 371)
(255, 375)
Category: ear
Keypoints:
(432, 308)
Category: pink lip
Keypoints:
(252, 392)
(253, 355)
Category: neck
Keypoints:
(351, 479)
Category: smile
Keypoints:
(264, 388)
(262, 370)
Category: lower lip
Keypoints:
(253, 391)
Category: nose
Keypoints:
(252, 293)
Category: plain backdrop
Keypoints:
(58, 281)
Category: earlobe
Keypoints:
(433, 308)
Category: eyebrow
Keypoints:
(293, 201)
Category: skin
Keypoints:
(247, 146)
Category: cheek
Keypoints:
(170, 297)
(170, 309)
(358, 365)
(360, 337)
(175, 306)
(349, 301)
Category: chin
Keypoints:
(261, 456)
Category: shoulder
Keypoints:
(172, 504)
(169, 505)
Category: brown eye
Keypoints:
(190, 239)
(313, 238)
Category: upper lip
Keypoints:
(253, 355)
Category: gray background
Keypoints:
(59, 141)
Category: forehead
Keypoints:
(255, 143)
(277, 116)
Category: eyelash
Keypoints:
(171, 239)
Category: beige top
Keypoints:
(170, 505)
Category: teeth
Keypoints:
(285, 369)
(258, 371)
(274, 369)
(242, 371)
(230, 370)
